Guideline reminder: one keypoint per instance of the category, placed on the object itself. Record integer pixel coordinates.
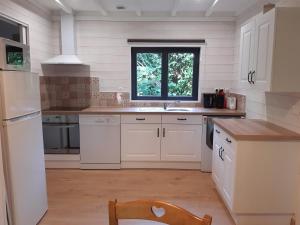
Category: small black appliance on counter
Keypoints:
(209, 100)
(214, 100)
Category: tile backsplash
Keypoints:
(68, 91)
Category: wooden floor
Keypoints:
(78, 197)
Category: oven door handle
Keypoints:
(60, 126)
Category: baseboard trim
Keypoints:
(62, 164)
(62, 157)
(106, 166)
(161, 165)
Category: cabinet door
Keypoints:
(217, 165)
(140, 142)
(264, 36)
(181, 142)
(247, 50)
(228, 177)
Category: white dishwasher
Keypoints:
(100, 140)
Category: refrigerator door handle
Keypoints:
(22, 118)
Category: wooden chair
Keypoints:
(155, 211)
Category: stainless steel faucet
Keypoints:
(165, 106)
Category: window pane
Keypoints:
(149, 70)
(180, 74)
(9, 30)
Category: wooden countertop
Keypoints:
(145, 110)
(256, 130)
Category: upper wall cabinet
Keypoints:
(269, 50)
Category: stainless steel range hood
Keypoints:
(68, 46)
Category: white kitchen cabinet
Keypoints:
(263, 49)
(269, 50)
(181, 142)
(247, 50)
(256, 50)
(223, 165)
(161, 138)
(256, 179)
(218, 165)
(228, 174)
(140, 142)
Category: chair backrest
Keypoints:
(155, 211)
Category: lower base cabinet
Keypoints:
(140, 142)
(257, 180)
(145, 138)
(181, 142)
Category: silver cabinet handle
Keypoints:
(181, 119)
(157, 132)
(164, 132)
(228, 140)
(140, 118)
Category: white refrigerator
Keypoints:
(3, 199)
(23, 150)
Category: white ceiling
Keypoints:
(140, 8)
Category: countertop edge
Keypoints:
(126, 111)
(278, 138)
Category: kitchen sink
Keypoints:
(161, 109)
(151, 109)
(178, 109)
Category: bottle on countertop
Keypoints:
(220, 98)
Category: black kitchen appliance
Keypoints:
(61, 134)
(209, 100)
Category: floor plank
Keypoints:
(80, 197)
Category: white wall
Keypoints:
(104, 46)
(40, 32)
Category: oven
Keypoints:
(61, 134)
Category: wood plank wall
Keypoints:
(103, 45)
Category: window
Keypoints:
(164, 73)
(12, 30)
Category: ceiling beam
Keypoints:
(64, 6)
(101, 8)
(175, 7)
(210, 9)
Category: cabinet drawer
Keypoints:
(225, 138)
(141, 118)
(229, 141)
(182, 119)
(218, 132)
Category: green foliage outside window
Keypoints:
(149, 67)
(180, 75)
(149, 74)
